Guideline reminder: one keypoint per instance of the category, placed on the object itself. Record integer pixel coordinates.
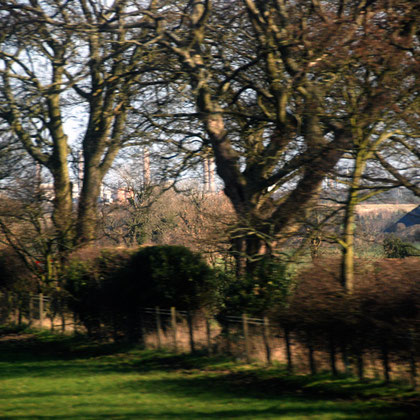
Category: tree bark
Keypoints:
(347, 264)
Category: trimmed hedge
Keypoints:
(110, 290)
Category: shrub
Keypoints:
(86, 280)
(15, 276)
(261, 292)
(169, 276)
(319, 308)
(395, 248)
(381, 316)
(161, 276)
(109, 289)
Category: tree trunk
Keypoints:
(248, 252)
(86, 227)
(347, 263)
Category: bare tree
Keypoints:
(279, 91)
(26, 228)
(270, 82)
(73, 60)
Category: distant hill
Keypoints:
(384, 208)
(410, 219)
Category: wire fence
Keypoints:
(249, 339)
(37, 310)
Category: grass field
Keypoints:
(49, 377)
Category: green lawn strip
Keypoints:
(43, 377)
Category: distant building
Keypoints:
(47, 190)
(106, 194)
(122, 195)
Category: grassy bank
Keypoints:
(45, 376)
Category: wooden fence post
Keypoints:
(14, 307)
(385, 362)
(41, 310)
(62, 306)
(332, 352)
(266, 338)
(246, 336)
(312, 363)
(8, 305)
(30, 305)
(173, 322)
(288, 350)
(143, 331)
(360, 365)
(413, 370)
(191, 331)
(75, 323)
(63, 322)
(208, 334)
(412, 359)
(158, 327)
(20, 308)
(228, 343)
(346, 361)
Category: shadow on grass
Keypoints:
(27, 344)
(244, 413)
(214, 381)
(222, 399)
(226, 404)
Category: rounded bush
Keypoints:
(87, 280)
(14, 275)
(168, 276)
(394, 247)
(110, 290)
(260, 293)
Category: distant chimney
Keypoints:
(80, 168)
(208, 174)
(146, 166)
(212, 182)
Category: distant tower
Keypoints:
(38, 175)
(38, 178)
(208, 174)
(146, 166)
(80, 168)
(212, 182)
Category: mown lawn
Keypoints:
(48, 377)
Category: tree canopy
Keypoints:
(68, 64)
(279, 93)
(284, 90)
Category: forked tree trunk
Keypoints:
(87, 219)
(347, 264)
(248, 252)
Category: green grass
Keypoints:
(49, 377)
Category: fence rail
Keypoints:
(248, 338)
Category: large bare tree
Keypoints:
(284, 90)
(278, 91)
(77, 61)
